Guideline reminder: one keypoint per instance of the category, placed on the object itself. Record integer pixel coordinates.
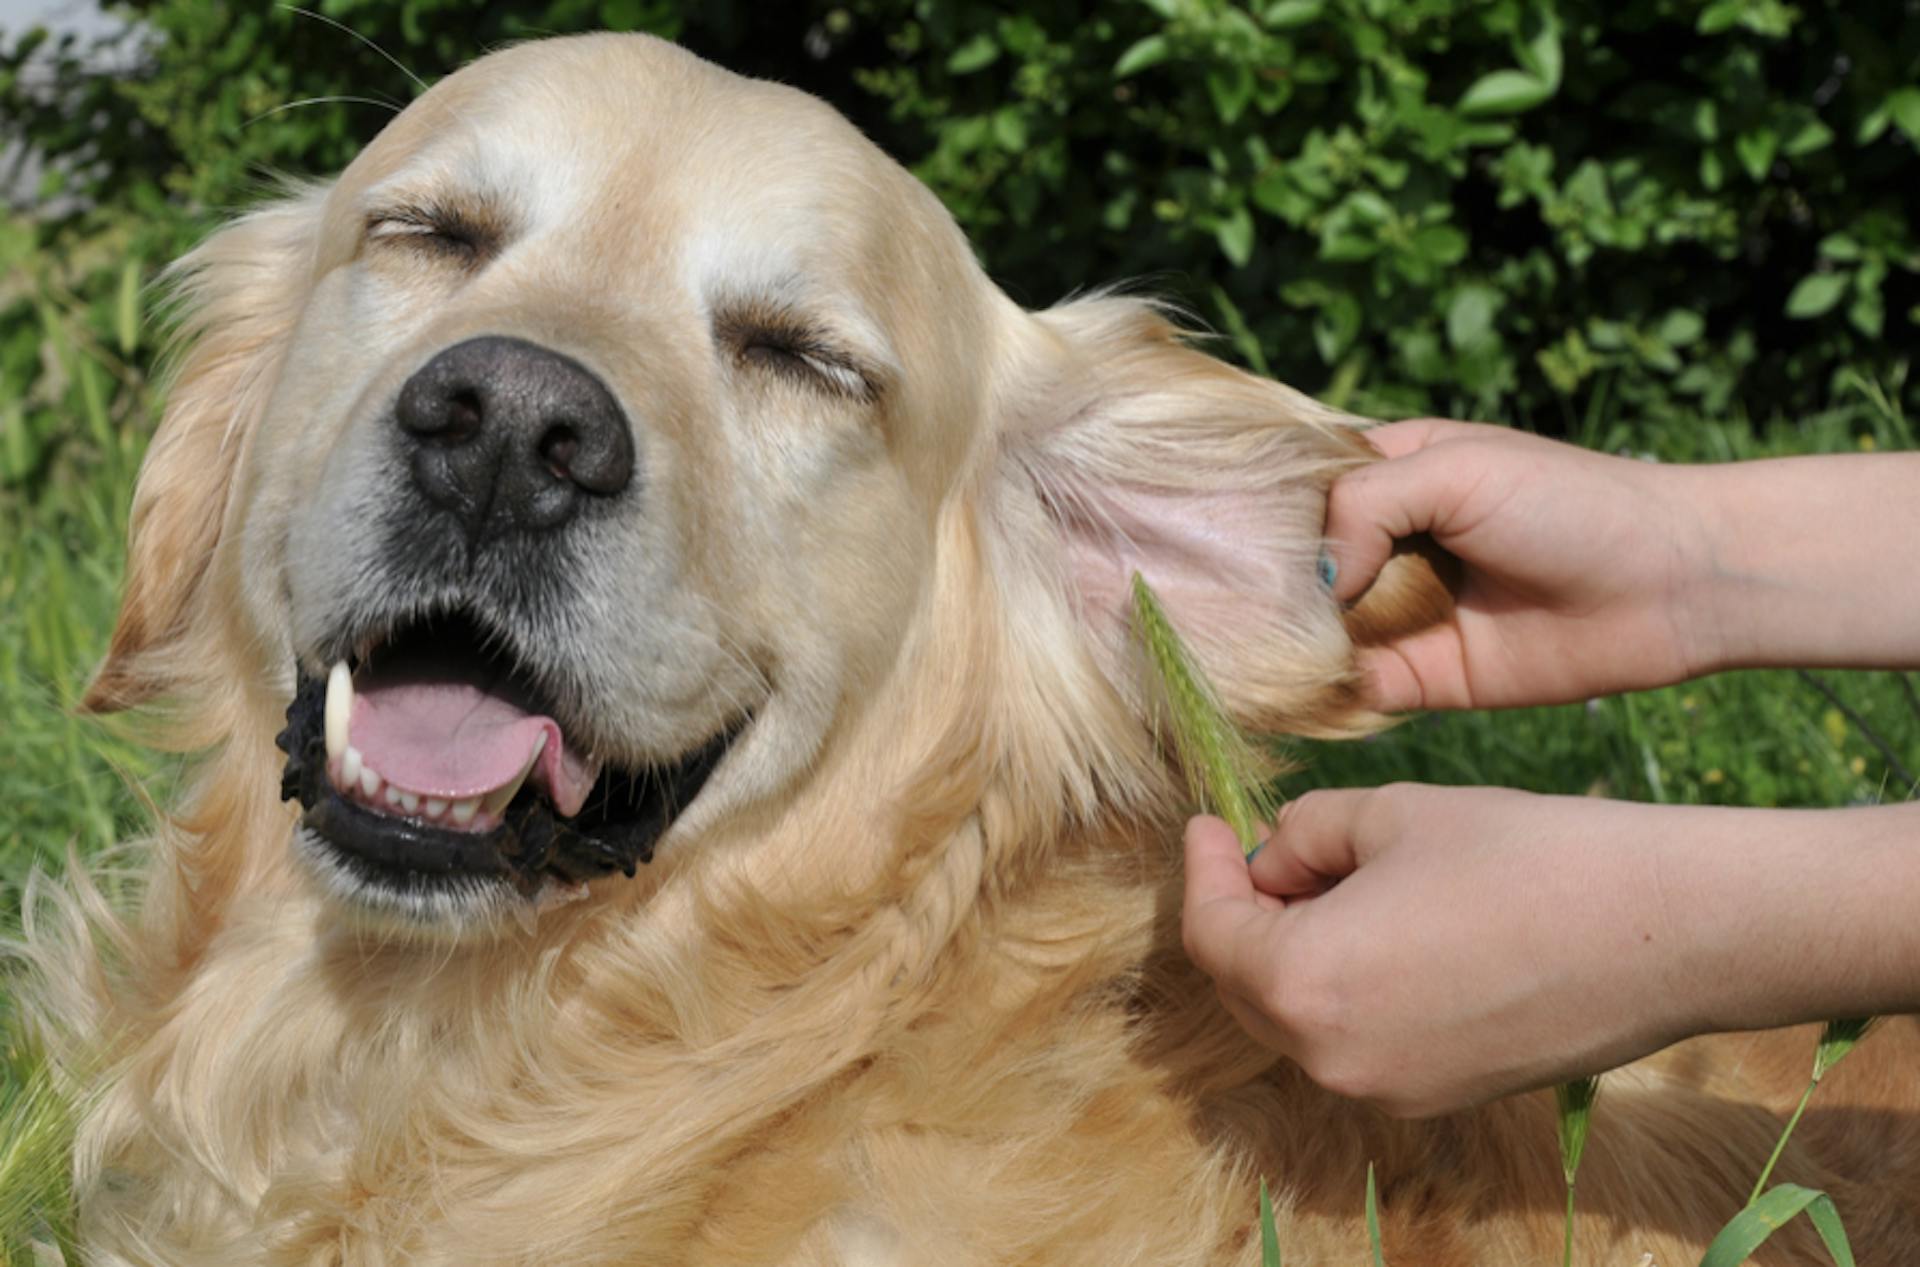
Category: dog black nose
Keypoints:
(505, 433)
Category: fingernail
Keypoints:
(1329, 570)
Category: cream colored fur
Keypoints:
(905, 988)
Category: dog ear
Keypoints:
(238, 296)
(1143, 454)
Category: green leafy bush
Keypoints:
(1487, 207)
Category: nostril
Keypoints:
(464, 416)
(560, 446)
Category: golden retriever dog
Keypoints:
(677, 782)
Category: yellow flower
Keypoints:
(1835, 725)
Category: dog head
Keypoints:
(618, 442)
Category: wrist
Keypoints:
(1784, 916)
(1795, 566)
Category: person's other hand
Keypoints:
(1578, 567)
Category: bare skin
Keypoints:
(1430, 948)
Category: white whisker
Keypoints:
(418, 82)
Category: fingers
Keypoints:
(1370, 508)
(1313, 843)
(1397, 439)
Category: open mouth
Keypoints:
(433, 759)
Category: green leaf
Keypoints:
(1440, 244)
(1816, 294)
(1504, 92)
(1681, 327)
(1240, 332)
(1719, 16)
(1231, 87)
(1291, 13)
(1756, 150)
(1234, 232)
(1145, 53)
(1750, 1229)
(1336, 326)
(1838, 246)
(1868, 313)
(126, 308)
(1010, 128)
(1903, 107)
(1541, 55)
(1812, 135)
(1269, 1235)
(1470, 315)
(977, 53)
(1373, 1219)
(615, 15)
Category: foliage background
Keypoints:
(1680, 229)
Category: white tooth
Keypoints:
(464, 810)
(435, 806)
(393, 796)
(369, 781)
(527, 916)
(409, 802)
(350, 768)
(339, 707)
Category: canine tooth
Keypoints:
(369, 781)
(465, 809)
(525, 915)
(435, 806)
(350, 768)
(339, 707)
(409, 802)
(495, 803)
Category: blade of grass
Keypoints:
(1373, 1219)
(1749, 1229)
(1574, 1101)
(1224, 771)
(36, 1147)
(1269, 1235)
(1836, 1040)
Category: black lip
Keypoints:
(615, 830)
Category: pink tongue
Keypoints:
(452, 740)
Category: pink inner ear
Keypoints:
(1229, 566)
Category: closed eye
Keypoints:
(443, 230)
(789, 348)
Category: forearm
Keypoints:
(1807, 562)
(1782, 916)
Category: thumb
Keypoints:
(1371, 507)
(1222, 921)
(1314, 843)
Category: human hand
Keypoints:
(1578, 567)
(1429, 948)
